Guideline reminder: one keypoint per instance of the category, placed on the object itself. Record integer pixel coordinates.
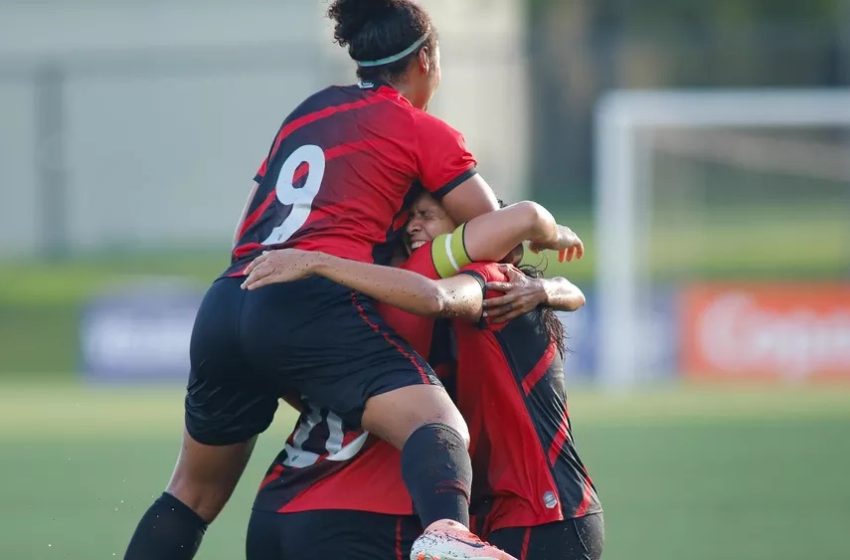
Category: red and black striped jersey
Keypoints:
(341, 170)
(510, 389)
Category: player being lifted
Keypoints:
(335, 180)
(531, 491)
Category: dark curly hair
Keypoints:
(376, 29)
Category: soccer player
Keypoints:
(334, 493)
(335, 180)
(455, 296)
(533, 496)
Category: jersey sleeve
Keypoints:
(486, 271)
(443, 160)
(448, 252)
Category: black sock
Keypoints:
(169, 530)
(436, 469)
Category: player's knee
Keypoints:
(447, 414)
(204, 499)
(463, 430)
(451, 419)
(206, 503)
(455, 421)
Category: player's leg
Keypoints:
(225, 410)
(330, 534)
(436, 468)
(206, 475)
(422, 421)
(202, 482)
(433, 437)
(571, 539)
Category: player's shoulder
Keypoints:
(419, 120)
(331, 96)
(428, 123)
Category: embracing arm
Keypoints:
(492, 236)
(459, 296)
(523, 294)
(561, 294)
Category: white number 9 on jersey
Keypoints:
(300, 199)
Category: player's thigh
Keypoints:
(393, 416)
(323, 341)
(227, 402)
(331, 534)
(571, 539)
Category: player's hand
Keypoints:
(281, 265)
(522, 294)
(566, 242)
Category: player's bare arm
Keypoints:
(492, 236)
(456, 297)
(523, 293)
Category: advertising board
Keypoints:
(766, 331)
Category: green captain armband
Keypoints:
(449, 253)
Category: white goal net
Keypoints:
(722, 235)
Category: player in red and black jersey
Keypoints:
(536, 499)
(535, 506)
(336, 179)
(331, 492)
(485, 237)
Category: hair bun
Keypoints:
(352, 15)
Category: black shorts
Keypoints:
(330, 535)
(571, 539)
(311, 337)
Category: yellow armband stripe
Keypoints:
(449, 253)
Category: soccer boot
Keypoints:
(449, 540)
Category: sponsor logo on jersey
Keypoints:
(550, 500)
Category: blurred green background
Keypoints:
(41, 301)
(126, 149)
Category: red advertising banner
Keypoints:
(766, 331)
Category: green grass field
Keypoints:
(690, 473)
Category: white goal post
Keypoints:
(622, 173)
